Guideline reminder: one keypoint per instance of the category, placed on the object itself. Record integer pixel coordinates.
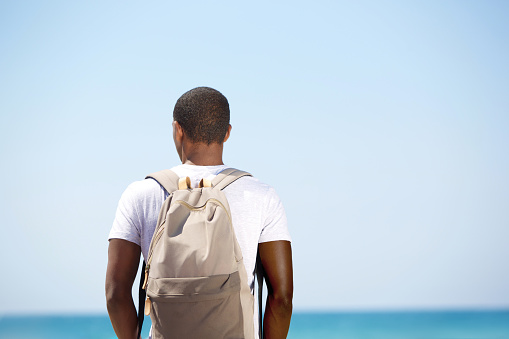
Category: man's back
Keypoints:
(257, 212)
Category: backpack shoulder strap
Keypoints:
(259, 278)
(227, 176)
(142, 295)
(166, 178)
(169, 180)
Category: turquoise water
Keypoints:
(401, 325)
(361, 325)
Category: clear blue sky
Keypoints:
(384, 127)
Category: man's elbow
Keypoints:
(116, 296)
(282, 302)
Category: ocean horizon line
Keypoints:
(74, 313)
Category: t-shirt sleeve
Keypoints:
(275, 226)
(127, 222)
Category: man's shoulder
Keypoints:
(252, 187)
(254, 184)
(142, 190)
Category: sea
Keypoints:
(304, 325)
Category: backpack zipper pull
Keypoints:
(146, 277)
(148, 305)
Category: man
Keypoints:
(200, 128)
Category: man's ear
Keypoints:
(178, 136)
(227, 133)
(178, 132)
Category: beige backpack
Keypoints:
(195, 279)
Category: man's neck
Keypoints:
(203, 154)
(189, 162)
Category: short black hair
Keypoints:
(204, 115)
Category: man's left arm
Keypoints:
(276, 258)
(123, 261)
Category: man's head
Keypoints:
(204, 115)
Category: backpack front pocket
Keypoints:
(203, 307)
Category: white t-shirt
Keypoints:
(257, 213)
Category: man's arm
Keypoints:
(276, 258)
(123, 260)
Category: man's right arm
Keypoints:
(276, 258)
(123, 260)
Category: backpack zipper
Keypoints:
(156, 239)
(192, 208)
(149, 260)
(148, 306)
